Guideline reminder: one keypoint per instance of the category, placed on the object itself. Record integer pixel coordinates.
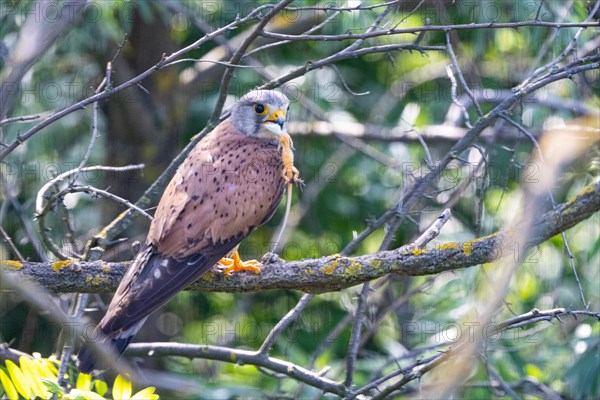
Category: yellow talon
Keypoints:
(235, 264)
(289, 172)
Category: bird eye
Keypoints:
(259, 108)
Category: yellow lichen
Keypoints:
(448, 246)
(88, 279)
(467, 248)
(329, 268)
(354, 269)
(233, 357)
(56, 266)
(105, 269)
(102, 234)
(98, 280)
(418, 252)
(376, 264)
(208, 277)
(470, 245)
(12, 263)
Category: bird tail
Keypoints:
(118, 341)
(111, 332)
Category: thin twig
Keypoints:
(454, 96)
(284, 42)
(24, 218)
(23, 118)
(39, 202)
(354, 342)
(570, 255)
(425, 365)
(105, 82)
(41, 214)
(283, 323)
(412, 196)
(461, 78)
(431, 28)
(237, 56)
(433, 231)
(134, 81)
(563, 11)
(566, 50)
(41, 300)
(12, 246)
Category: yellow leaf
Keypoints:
(101, 387)
(44, 369)
(146, 394)
(9, 389)
(18, 379)
(84, 381)
(50, 364)
(30, 370)
(533, 370)
(121, 388)
(37, 372)
(86, 394)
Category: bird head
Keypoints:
(261, 113)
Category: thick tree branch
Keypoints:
(327, 273)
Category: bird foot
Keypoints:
(290, 174)
(235, 264)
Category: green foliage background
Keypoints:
(352, 189)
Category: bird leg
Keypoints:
(290, 173)
(235, 264)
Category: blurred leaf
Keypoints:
(21, 382)
(32, 375)
(84, 381)
(8, 386)
(52, 385)
(533, 370)
(101, 387)
(583, 377)
(78, 394)
(145, 394)
(121, 388)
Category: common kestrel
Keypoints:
(230, 184)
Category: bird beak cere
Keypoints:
(276, 121)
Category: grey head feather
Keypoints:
(247, 120)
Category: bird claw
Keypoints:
(290, 174)
(235, 264)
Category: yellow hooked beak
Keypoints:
(277, 117)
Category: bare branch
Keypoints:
(24, 118)
(241, 357)
(436, 28)
(421, 367)
(418, 189)
(237, 56)
(290, 317)
(165, 61)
